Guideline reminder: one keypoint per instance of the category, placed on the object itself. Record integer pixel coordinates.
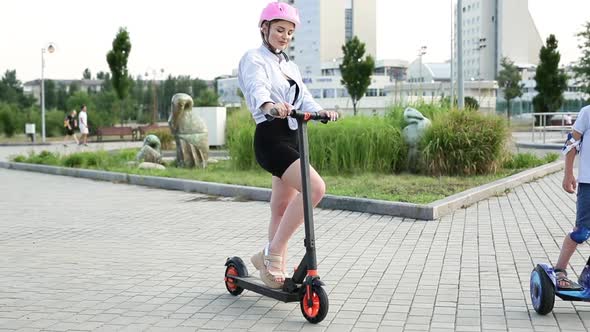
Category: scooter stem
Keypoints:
(306, 195)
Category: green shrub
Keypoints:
(165, 136)
(98, 159)
(8, 120)
(464, 143)
(471, 103)
(73, 160)
(54, 123)
(124, 155)
(551, 157)
(239, 131)
(351, 145)
(528, 160)
(356, 144)
(44, 158)
(19, 159)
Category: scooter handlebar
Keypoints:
(304, 116)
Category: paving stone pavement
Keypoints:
(79, 255)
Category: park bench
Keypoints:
(116, 131)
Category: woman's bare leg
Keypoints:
(281, 196)
(293, 215)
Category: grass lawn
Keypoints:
(402, 187)
(392, 187)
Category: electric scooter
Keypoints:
(544, 288)
(304, 286)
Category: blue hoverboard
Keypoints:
(544, 288)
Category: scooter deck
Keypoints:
(568, 295)
(574, 295)
(257, 286)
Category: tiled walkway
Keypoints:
(77, 254)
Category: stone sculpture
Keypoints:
(413, 132)
(150, 151)
(190, 133)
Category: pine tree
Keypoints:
(551, 81)
(356, 71)
(582, 69)
(509, 81)
(117, 59)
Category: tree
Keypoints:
(207, 98)
(76, 100)
(107, 84)
(167, 90)
(509, 81)
(50, 94)
(551, 81)
(73, 88)
(117, 59)
(356, 71)
(198, 86)
(582, 69)
(87, 75)
(62, 97)
(11, 91)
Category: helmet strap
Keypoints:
(267, 43)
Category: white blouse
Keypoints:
(261, 76)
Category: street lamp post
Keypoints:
(154, 74)
(50, 48)
(482, 44)
(452, 87)
(459, 43)
(421, 52)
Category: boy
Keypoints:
(581, 232)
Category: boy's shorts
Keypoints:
(583, 205)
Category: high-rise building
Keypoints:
(493, 29)
(326, 25)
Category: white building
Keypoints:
(326, 25)
(493, 29)
(328, 91)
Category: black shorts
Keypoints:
(275, 146)
(69, 132)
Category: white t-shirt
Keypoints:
(82, 120)
(582, 125)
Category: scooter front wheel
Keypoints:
(542, 291)
(314, 305)
(230, 284)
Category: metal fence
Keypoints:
(518, 106)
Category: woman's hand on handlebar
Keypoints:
(331, 115)
(283, 109)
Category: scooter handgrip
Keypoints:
(271, 114)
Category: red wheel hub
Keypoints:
(311, 311)
(231, 271)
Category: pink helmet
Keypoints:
(279, 11)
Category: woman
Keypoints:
(269, 80)
(70, 124)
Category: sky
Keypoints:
(206, 38)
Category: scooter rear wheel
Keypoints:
(230, 284)
(314, 306)
(542, 291)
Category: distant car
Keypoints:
(563, 119)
